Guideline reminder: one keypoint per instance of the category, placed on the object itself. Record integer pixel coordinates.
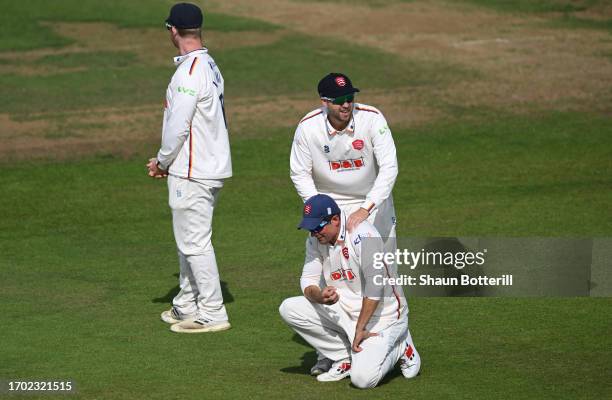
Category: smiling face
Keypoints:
(339, 115)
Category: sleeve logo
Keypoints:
(185, 90)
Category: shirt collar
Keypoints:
(331, 131)
(179, 59)
(342, 233)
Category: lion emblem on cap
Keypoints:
(307, 209)
(340, 81)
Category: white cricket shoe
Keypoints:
(322, 366)
(200, 325)
(173, 316)
(338, 371)
(410, 362)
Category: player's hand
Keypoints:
(356, 218)
(329, 295)
(154, 170)
(360, 336)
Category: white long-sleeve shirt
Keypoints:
(357, 165)
(195, 142)
(346, 265)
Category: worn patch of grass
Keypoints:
(20, 27)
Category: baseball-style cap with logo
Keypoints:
(316, 209)
(185, 16)
(335, 85)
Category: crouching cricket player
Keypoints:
(360, 325)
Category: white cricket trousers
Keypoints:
(192, 205)
(331, 332)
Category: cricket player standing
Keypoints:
(195, 156)
(349, 321)
(346, 150)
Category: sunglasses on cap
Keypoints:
(342, 99)
(320, 227)
(168, 26)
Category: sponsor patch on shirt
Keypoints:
(346, 165)
(342, 274)
(358, 144)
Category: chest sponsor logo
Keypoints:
(346, 165)
(342, 275)
(358, 144)
(326, 149)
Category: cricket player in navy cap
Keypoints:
(357, 321)
(195, 157)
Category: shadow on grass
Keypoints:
(309, 359)
(167, 298)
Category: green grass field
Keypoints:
(87, 258)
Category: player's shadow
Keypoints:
(307, 360)
(167, 298)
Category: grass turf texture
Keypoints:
(87, 260)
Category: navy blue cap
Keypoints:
(316, 209)
(335, 85)
(185, 16)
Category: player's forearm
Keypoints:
(368, 306)
(314, 294)
(172, 142)
(382, 188)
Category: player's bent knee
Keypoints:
(363, 379)
(287, 309)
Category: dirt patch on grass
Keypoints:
(151, 46)
(69, 134)
(521, 61)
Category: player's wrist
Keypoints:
(368, 206)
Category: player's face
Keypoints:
(329, 233)
(340, 114)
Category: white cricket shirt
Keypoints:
(195, 142)
(341, 265)
(356, 165)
